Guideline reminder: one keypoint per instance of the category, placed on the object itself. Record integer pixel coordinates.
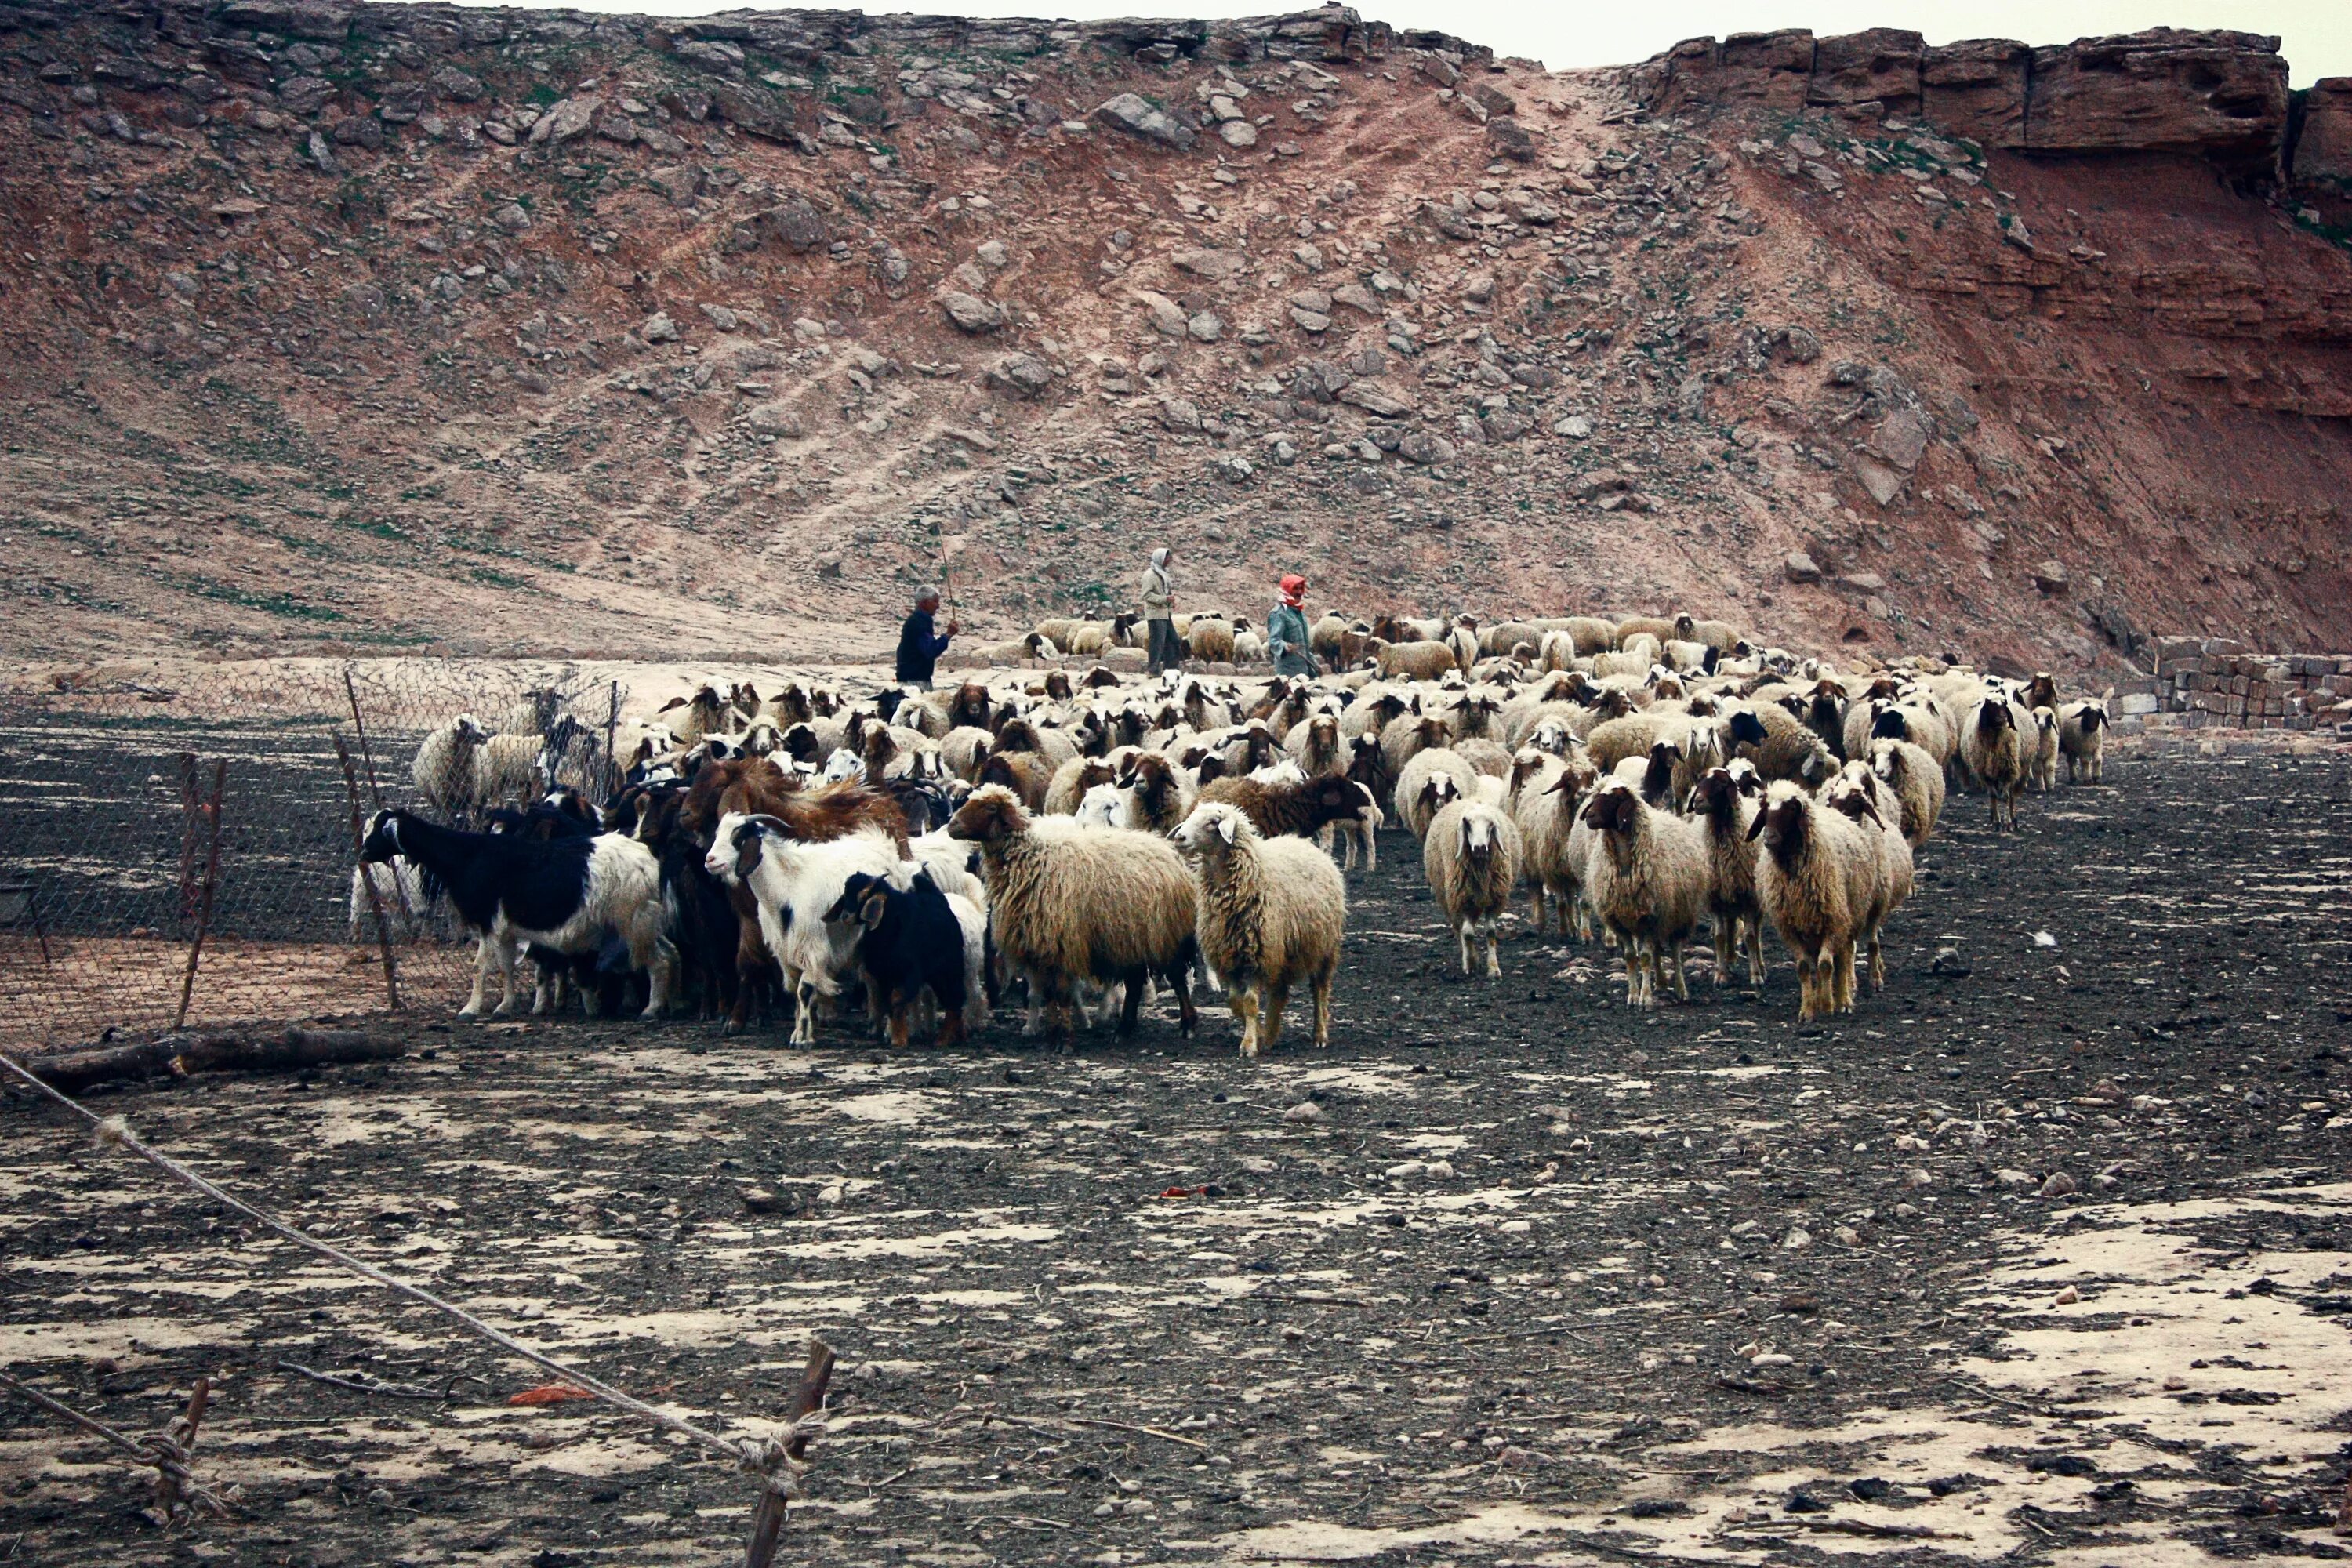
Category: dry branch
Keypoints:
(178, 1056)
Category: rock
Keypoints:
(1773, 69)
(1311, 299)
(1231, 466)
(1800, 567)
(1478, 288)
(2060, 1185)
(993, 255)
(2051, 577)
(365, 299)
(1167, 317)
(571, 118)
(2218, 95)
(1238, 133)
(1977, 89)
(719, 316)
(1204, 326)
(1879, 66)
(1373, 399)
(1425, 448)
(359, 131)
(1356, 297)
(1310, 321)
(970, 313)
(681, 183)
(1576, 427)
(1507, 424)
(1917, 1177)
(456, 86)
(1179, 414)
(1305, 1110)
(615, 126)
(2066, 1298)
(2322, 148)
(1511, 140)
(2011, 1178)
(796, 224)
(1022, 376)
(1902, 438)
(1949, 963)
(1796, 344)
(1134, 114)
(774, 419)
(1214, 265)
(1863, 583)
(658, 329)
(1797, 1240)
(513, 216)
(306, 94)
(1883, 483)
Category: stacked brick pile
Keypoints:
(2215, 682)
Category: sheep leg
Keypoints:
(899, 1022)
(1727, 941)
(1487, 928)
(1134, 1003)
(1808, 984)
(1462, 935)
(1877, 962)
(1179, 977)
(1635, 973)
(1322, 985)
(1755, 931)
(1674, 958)
(1270, 1009)
(950, 1027)
(509, 956)
(803, 1013)
(1245, 1008)
(1842, 1001)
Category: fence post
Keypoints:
(612, 730)
(375, 904)
(211, 888)
(359, 727)
(191, 802)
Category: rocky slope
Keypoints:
(411, 326)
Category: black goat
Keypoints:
(567, 892)
(912, 942)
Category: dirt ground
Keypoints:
(1537, 1281)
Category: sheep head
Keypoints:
(991, 814)
(1614, 809)
(1212, 830)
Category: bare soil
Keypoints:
(1541, 1281)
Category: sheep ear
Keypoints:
(1228, 826)
(870, 912)
(1755, 829)
(673, 702)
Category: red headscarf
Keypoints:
(1294, 591)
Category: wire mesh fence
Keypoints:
(183, 855)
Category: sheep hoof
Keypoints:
(469, 1012)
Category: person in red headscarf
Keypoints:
(1287, 636)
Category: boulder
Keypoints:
(1214, 265)
(2051, 577)
(774, 419)
(658, 329)
(1882, 482)
(1902, 438)
(1238, 133)
(2322, 144)
(1977, 89)
(1800, 567)
(1022, 376)
(1140, 117)
(1511, 140)
(972, 313)
(1881, 66)
(305, 94)
(796, 224)
(2218, 95)
(1425, 448)
(571, 118)
(1774, 70)
(1167, 316)
(1373, 399)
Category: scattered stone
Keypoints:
(1305, 1110)
(1800, 567)
(1134, 114)
(2060, 1185)
(2051, 577)
(970, 313)
(1022, 376)
(1424, 448)
(658, 329)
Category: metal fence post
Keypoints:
(375, 904)
(211, 888)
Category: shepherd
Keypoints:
(1159, 613)
(1287, 636)
(919, 645)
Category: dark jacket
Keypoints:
(919, 648)
(1286, 641)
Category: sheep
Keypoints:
(1402, 739)
(2042, 768)
(1720, 636)
(910, 941)
(1864, 799)
(1072, 780)
(1086, 640)
(1779, 746)
(1462, 636)
(1634, 628)
(1106, 806)
(1361, 831)
(1488, 757)
(1034, 645)
(1316, 745)
(1427, 781)
(1471, 857)
(793, 885)
(1556, 652)
(954, 866)
(705, 713)
(446, 769)
(1588, 634)
(1639, 735)
(701, 913)
(1249, 647)
(1287, 809)
(1271, 913)
(1814, 882)
(1546, 791)
(1648, 879)
(565, 894)
(1724, 803)
(2083, 739)
(1917, 784)
(1501, 637)
(1994, 746)
(1024, 773)
(1072, 904)
(1413, 660)
(1053, 746)
(506, 768)
(964, 748)
(1209, 639)
(1160, 796)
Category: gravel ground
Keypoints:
(1534, 1280)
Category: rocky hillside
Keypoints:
(418, 327)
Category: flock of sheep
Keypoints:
(1099, 836)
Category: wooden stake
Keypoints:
(367, 880)
(768, 1523)
(211, 888)
(359, 727)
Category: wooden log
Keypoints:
(178, 1056)
(768, 1519)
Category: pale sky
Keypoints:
(2317, 34)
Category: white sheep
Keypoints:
(446, 769)
(411, 905)
(1428, 781)
(1472, 859)
(2083, 739)
(1814, 881)
(1647, 878)
(1543, 794)
(1866, 800)
(2043, 768)
(1271, 912)
(1995, 746)
(1917, 782)
(1724, 803)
